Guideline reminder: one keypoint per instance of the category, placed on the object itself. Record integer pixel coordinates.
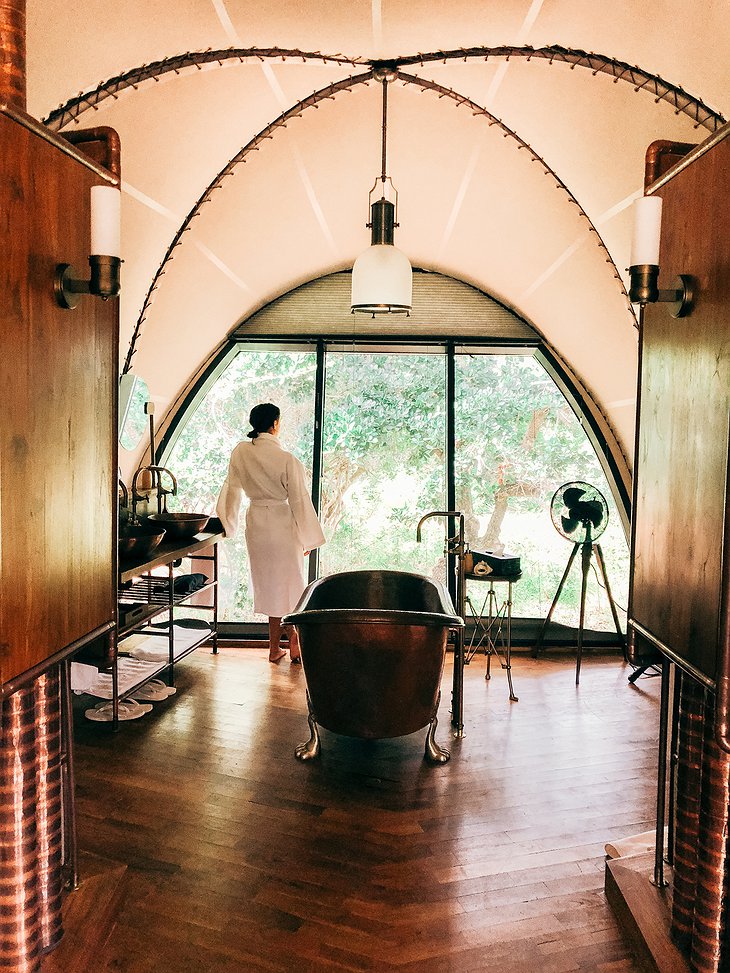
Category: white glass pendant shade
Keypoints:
(382, 281)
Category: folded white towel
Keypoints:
(82, 676)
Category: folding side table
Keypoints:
(492, 631)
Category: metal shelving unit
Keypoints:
(146, 592)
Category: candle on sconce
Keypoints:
(105, 221)
(647, 231)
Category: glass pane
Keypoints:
(133, 420)
(517, 441)
(200, 455)
(384, 460)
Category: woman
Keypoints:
(281, 525)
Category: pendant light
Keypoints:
(382, 280)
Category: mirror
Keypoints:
(133, 393)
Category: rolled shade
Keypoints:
(382, 281)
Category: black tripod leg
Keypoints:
(611, 602)
(585, 567)
(538, 644)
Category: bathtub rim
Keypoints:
(372, 616)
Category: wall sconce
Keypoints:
(644, 269)
(382, 279)
(105, 261)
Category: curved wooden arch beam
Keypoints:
(680, 100)
(326, 93)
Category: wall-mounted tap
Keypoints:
(125, 497)
(162, 492)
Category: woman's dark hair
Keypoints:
(262, 418)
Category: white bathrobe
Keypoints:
(280, 521)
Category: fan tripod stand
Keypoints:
(587, 549)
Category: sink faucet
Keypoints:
(162, 493)
(125, 496)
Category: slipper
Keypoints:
(154, 691)
(128, 710)
(279, 657)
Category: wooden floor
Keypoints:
(240, 858)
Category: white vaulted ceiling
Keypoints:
(515, 174)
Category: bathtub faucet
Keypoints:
(457, 547)
(455, 544)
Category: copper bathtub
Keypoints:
(373, 646)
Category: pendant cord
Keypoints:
(383, 176)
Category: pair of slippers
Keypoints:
(132, 709)
(129, 709)
(154, 690)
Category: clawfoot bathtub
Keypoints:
(373, 646)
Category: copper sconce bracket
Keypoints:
(104, 281)
(644, 289)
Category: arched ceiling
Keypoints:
(515, 172)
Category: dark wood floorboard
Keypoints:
(240, 858)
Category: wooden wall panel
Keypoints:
(682, 451)
(58, 376)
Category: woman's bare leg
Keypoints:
(275, 650)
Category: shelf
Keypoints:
(154, 646)
(166, 553)
(142, 651)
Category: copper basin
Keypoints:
(139, 541)
(180, 525)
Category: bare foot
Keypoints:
(296, 660)
(276, 656)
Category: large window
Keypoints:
(383, 462)
(517, 441)
(383, 457)
(199, 457)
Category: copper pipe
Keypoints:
(722, 714)
(12, 53)
(106, 151)
(19, 922)
(70, 845)
(687, 808)
(709, 948)
(661, 156)
(49, 817)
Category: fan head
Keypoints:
(579, 512)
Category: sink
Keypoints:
(141, 540)
(180, 525)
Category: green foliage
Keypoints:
(384, 453)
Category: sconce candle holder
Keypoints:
(104, 261)
(644, 269)
(104, 281)
(644, 289)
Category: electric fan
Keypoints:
(579, 513)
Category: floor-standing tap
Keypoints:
(456, 546)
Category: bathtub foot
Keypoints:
(434, 753)
(311, 749)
